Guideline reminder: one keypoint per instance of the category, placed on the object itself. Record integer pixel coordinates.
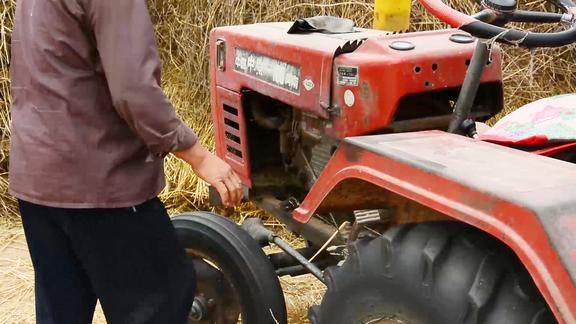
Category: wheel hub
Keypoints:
(216, 301)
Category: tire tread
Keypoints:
(408, 271)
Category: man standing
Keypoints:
(90, 129)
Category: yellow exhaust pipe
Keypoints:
(392, 15)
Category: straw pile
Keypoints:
(182, 31)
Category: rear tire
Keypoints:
(241, 259)
(443, 272)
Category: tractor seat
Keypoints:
(549, 121)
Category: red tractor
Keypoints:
(365, 143)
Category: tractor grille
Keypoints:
(232, 131)
(321, 154)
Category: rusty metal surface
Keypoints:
(525, 200)
(354, 194)
(315, 231)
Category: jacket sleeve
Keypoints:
(127, 47)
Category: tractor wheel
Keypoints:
(235, 279)
(443, 272)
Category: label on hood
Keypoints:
(268, 69)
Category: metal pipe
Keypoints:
(470, 86)
(485, 15)
(298, 270)
(284, 260)
(261, 234)
(315, 231)
(535, 17)
(427, 123)
(314, 270)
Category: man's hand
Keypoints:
(216, 172)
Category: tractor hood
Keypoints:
(295, 68)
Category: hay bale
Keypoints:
(7, 203)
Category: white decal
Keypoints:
(268, 69)
(347, 75)
(308, 84)
(349, 98)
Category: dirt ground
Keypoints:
(17, 283)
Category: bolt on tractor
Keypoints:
(367, 144)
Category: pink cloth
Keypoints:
(544, 121)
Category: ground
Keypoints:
(17, 282)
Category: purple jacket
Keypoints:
(90, 123)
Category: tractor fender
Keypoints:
(524, 200)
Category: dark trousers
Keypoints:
(128, 258)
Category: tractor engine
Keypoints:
(282, 102)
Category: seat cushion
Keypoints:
(542, 122)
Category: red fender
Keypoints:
(525, 200)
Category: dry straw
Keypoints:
(182, 30)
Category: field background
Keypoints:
(182, 29)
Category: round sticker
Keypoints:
(349, 98)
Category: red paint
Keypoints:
(385, 76)
(446, 13)
(514, 224)
(240, 164)
(555, 149)
(313, 53)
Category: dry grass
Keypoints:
(182, 29)
(17, 284)
(7, 206)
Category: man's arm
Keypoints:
(214, 171)
(127, 48)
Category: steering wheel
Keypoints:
(488, 23)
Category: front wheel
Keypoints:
(236, 282)
(430, 273)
